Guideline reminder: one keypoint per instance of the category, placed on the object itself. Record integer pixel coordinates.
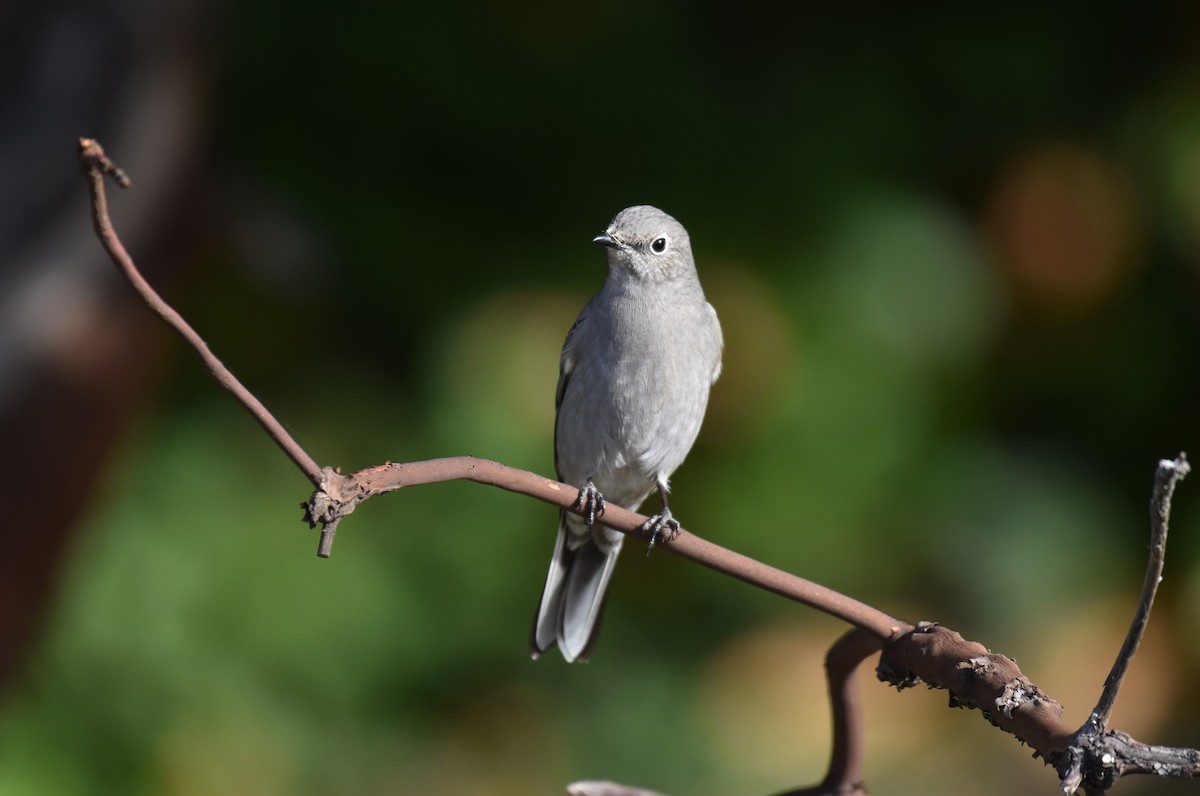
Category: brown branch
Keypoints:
(344, 492)
(337, 495)
(845, 774)
(975, 677)
(95, 166)
(1090, 757)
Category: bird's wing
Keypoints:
(712, 314)
(566, 365)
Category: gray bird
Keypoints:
(633, 384)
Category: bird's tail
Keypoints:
(573, 600)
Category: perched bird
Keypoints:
(633, 384)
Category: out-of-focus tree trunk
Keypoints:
(76, 353)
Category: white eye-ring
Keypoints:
(659, 245)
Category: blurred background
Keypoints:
(956, 254)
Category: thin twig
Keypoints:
(1166, 476)
(1077, 759)
(96, 165)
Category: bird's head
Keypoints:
(648, 244)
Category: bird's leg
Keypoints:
(590, 502)
(662, 526)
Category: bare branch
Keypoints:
(1099, 761)
(344, 492)
(96, 165)
(977, 678)
(1090, 757)
(1166, 476)
(337, 495)
(1130, 757)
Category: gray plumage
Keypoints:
(633, 385)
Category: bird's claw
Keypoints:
(662, 527)
(590, 502)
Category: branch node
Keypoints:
(336, 496)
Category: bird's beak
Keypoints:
(604, 239)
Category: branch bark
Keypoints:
(344, 492)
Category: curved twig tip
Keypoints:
(92, 156)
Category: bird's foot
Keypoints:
(590, 502)
(662, 527)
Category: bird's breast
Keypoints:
(638, 392)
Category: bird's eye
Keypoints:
(659, 245)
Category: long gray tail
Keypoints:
(576, 586)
